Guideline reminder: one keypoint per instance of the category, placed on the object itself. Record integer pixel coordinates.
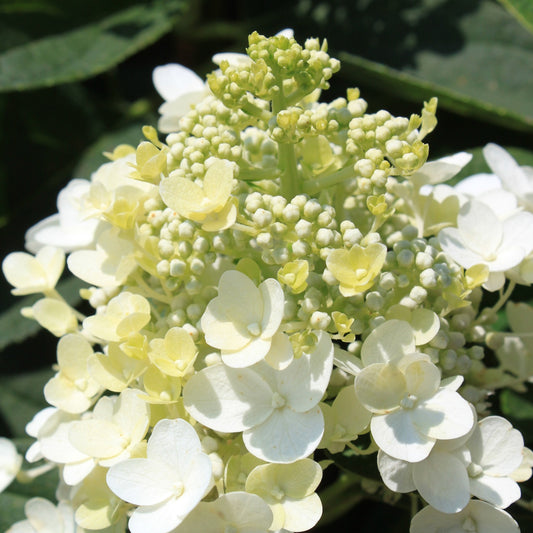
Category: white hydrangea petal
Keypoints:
(389, 341)
(422, 379)
(156, 518)
(346, 361)
(442, 169)
(487, 518)
(380, 387)
(220, 330)
(506, 168)
(495, 281)
(442, 480)
(10, 462)
(250, 354)
(305, 380)
(173, 80)
(518, 231)
(42, 515)
(273, 304)
(280, 354)
(496, 446)
(508, 257)
(132, 415)
(75, 473)
(181, 105)
(480, 228)
(398, 437)
(142, 481)
(246, 511)
(168, 123)
(64, 394)
(501, 202)
(174, 442)
(396, 474)
(243, 300)
(196, 473)
(446, 415)
(97, 438)
(478, 184)
(302, 515)
(453, 245)
(57, 447)
(227, 399)
(500, 491)
(425, 324)
(233, 58)
(350, 412)
(286, 436)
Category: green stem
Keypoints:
(504, 297)
(149, 292)
(325, 182)
(289, 170)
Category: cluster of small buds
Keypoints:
(206, 131)
(288, 231)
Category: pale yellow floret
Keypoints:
(124, 315)
(210, 204)
(55, 315)
(289, 489)
(357, 268)
(175, 354)
(72, 389)
(294, 274)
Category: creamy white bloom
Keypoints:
(243, 322)
(411, 408)
(480, 464)
(496, 452)
(51, 429)
(117, 425)
(482, 238)
(403, 390)
(344, 420)
(290, 492)
(10, 461)
(44, 517)
(167, 484)
(72, 389)
(515, 178)
(235, 512)
(29, 274)
(180, 87)
(477, 516)
(70, 228)
(277, 411)
(108, 265)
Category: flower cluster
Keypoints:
(277, 282)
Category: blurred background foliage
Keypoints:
(75, 80)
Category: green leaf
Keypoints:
(15, 328)
(21, 396)
(522, 10)
(487, 74)
(517, 406)
(86, 51)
